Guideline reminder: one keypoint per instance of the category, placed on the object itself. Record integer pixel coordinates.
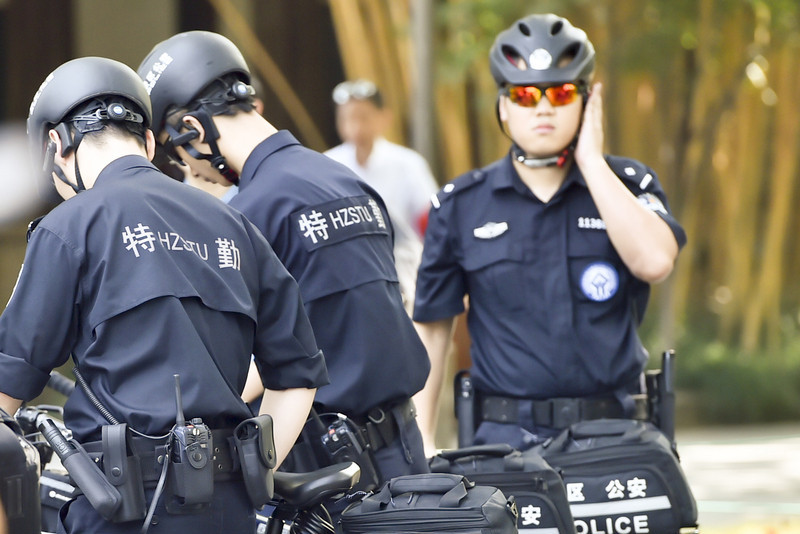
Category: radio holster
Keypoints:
(346, 441)
(191, 470)
(255, 447)
(337, 439)
(121, 467)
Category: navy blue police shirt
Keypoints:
(333, 233)
(553, 310)
(140, 278)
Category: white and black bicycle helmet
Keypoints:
(200, 72)
(553, 50)
(542, 50)
(178, 69)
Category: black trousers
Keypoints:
(229, 511)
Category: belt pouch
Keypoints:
(256, 449)
(191, 471)
(124, 472)
(346, 441)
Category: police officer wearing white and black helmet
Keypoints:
(140, 278)
(556, 245)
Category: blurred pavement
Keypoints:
(745, 479)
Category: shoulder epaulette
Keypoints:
(631, 170)
(32, 226)
(462, 183)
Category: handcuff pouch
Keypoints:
(255, 447)
(123, 470)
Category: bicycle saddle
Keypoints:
(305, 490)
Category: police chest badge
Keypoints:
(490, 230)
(599, 281)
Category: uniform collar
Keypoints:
(262, 151)
(123, 166)
(508, 177)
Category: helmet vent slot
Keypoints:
(514, 57)
(556, 28)
(569, 54)
(525, 29)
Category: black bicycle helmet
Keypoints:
(553, 51)
(75, 83)
(88, 93)
(178, 69)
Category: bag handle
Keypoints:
(494, 449)
(626, 429)
(603, 427)
(452, 487)
(512, 458)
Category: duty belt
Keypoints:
(152, 454)
(559, 412)
(380, 426)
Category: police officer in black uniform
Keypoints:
(330, 229)
(555, 244)
(141, 278)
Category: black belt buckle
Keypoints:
(565, 412)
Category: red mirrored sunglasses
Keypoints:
(529, 95)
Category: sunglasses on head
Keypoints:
(358, 89)
(530, 95)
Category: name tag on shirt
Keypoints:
(339, 220)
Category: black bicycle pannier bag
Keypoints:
(622, 476)
(19, 478)
(434, 502)
(537, 488)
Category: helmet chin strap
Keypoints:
(557, 160)
(216, 158)
(80, 187)
(50, 167)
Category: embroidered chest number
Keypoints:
(591, 223)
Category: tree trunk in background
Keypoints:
(764, 310)
(374, 41)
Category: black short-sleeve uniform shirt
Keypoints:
(334, 235)
(140, 278)
(553, 310)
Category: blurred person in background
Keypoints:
(399, 174)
